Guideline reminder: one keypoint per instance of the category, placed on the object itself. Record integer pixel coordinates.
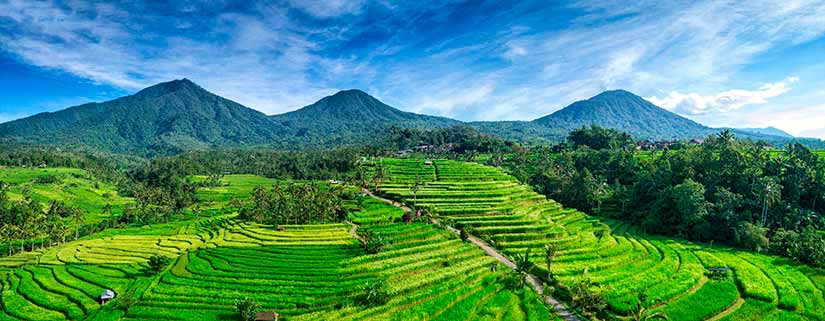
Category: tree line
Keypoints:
(723, 190)
(297, 203)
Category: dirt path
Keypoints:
(561, 311)
(353, 230)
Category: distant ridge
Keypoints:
(179, 115)
(767, 131)
(352, 116)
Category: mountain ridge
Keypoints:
(179, 115)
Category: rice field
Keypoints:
(303, 272)
(488, 203)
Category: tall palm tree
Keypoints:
(415, 188)
(77, 218)
(770, 193)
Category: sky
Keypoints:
(721, 63)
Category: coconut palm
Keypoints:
(77, 218)
(769, 193)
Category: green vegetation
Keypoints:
(625, 263)
(724, 190)
(217, 267)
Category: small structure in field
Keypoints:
(333, 182)
(428, 162)
(106, 296)
(281, 228)
(266, 316)
(719, 272)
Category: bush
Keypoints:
(373, 243)
(374, 294)
(247, 309)
(158, 262)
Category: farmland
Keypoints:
(304, 272)
(670, 273)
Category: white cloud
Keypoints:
(726, 101)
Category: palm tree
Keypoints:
(550, 251)
(415, 188)
(769, 193)
(107, 209)
(77, 218)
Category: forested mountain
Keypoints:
(773, 131)
(177, 116)
(163, 119)
(622, 110)
(350, 117)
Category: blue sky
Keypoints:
(752, 63)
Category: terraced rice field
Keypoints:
(310, 272)
(488, 203)
(73, 186)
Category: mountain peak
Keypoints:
(615, 94)
(625, 111)
(169, 87)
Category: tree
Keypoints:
(414, 189)
(374, 294)
(751, 236)
(107, 209)
(247, 309)
(78, 218)
(158, 262)
(587, 296)
(769, 192)
(550, 252)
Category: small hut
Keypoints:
(428, 162)
(266, 316)
(106, 296)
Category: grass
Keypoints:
(310, 272)
(488, 203)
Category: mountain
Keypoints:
(627, 112)
(351, 117)
(773, 131)
(163, 119)
(179, 115)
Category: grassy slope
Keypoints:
(75, 187)
(304, 272)
(494, 206)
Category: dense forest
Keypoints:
(723, 190)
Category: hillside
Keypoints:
(178, 116)
(672, 274)
(773, 131)
(163, 119)
(350, 117)
(627, 112)
(302, 272)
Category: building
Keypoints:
(106, 296)
(266, 316)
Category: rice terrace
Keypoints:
(412, 160)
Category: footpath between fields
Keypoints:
(561, 310)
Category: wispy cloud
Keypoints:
(723, 102)
(469, 60)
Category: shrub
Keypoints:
(373, 243)
(374, 294)
(158, 262)
(247, 309)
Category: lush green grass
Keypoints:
(312, 272)
(671, 273)
(72, 186)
